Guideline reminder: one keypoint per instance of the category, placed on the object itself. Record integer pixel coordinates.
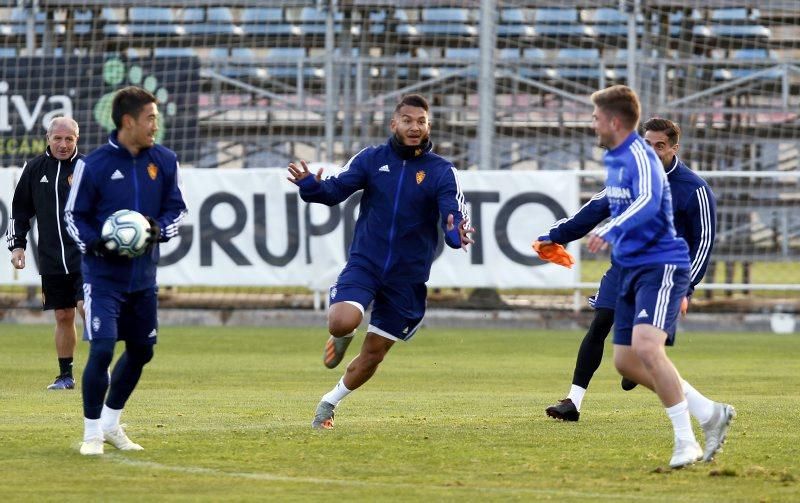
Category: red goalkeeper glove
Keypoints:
(553, 252)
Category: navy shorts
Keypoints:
(61, 291)
(121, 316)
(651, 295)
(397, 307)
(606, 296)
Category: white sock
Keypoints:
(576, 395)
(699, 406)
(91, 429)
(681, 421)
(338, 392)
(109, 418)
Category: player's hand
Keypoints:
(18, 258)
(154, 232)
(100, 248)
(596, 243)
(684, 307)
(463, 231)
(298, 173)
(554, 252)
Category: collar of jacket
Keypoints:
(48, 153)
(114, 142)
(408, 152)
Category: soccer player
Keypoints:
(129, 172)
(408, 192)
(654, 275)
(42, 193)
(694, 212)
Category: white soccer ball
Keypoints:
(126, 231)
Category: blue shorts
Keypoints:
(397, 307)
(651, 295)
(121, 316)
(606, 296)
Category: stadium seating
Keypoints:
(737, 23)
(262, 21)
(514, 23)
(214, 21)
(153, 21)
(559, 23)
(446, 22)
(747, 62)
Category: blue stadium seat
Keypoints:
(174, 52)
(266, 21)
(513, 23)
(313, 21)
(214, 21)
(559, 23)
(282, 63)
(607, 23)
(577, 64)
(737, 23)
(153, 21)
(446, 21)
(111, 22)
(748, 57)
(18, 23)
(8, 52)
(534, 64)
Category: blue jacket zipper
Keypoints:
(394, 218)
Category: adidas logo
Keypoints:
(384, 168)
(405, 331)
(117, 175)
(153, 333)
(643, 314)
(44, 179)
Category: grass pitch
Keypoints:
(224, 413)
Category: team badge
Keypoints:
(333, 292)
(420, 176)
(69, 180)
(152, 170)
(96, 324)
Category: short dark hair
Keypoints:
(412, 100)
(620, 101)
(666, 126)
(130, 101)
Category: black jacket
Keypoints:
(36, 196)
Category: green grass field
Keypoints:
(224, 414)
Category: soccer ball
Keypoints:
(126, 231)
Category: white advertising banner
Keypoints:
(250, 227)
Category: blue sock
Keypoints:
(127, 372)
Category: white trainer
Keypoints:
(92, 447)
(120, 440)
(716, 429)
(685, 453)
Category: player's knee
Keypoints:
(140, 354)
(65, 316)
(601, 325)
(101, 351)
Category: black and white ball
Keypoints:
(126, 231)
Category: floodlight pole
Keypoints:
(634, 10)
(330, 94)
(486, 88)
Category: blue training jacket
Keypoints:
(694, 210)
(639, 201)
(111, 179)
(396, 231)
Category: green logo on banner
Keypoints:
(117, 75)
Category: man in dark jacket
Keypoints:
(408, 190)
(42, 193)
(129, 172)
